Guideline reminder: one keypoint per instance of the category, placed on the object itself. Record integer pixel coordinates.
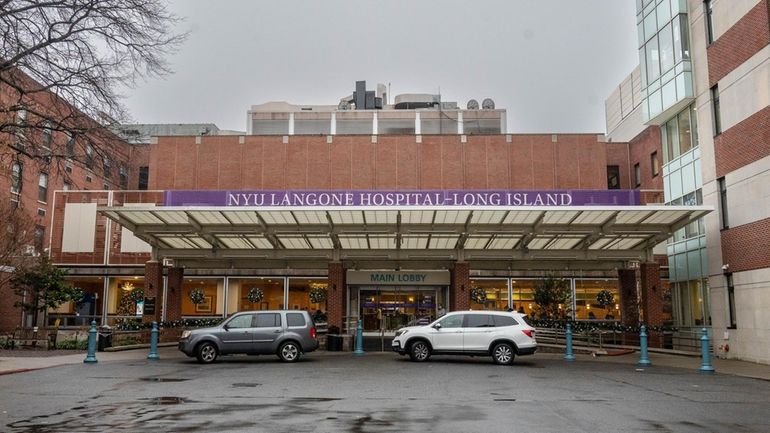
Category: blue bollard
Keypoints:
(644, 360)
(154, 342)
(91, 355)
(568, 334)
(705, 366)
(359, 339)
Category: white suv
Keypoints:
(503, 335)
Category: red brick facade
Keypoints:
(174, 294)
(744, 143)
(744, 39)
(629, 310)
(652, 294)
(641, 148)
(745, 247)
(576, 161)
(460, 287)
(336, 295)
(153, 287)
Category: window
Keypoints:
(238, 322)
(654, 164)
(709, 6)
(39, 237)
(501, 321)
(89, 156)
(715, 108)
(16, 177)
(653, 60)
(477, 321)
(21, 124)
(42, 187)
(680, 134)
(268, 320)
(637, 175)
(731, 301)
(453, 321)
(106, 166)
(144, 178)
(295, 319)
(70, 146)
(123, 170)
(47, 137)
(613, 177)
(723, 218)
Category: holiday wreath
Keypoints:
(196, 296)
(255, 294)
(478, 295)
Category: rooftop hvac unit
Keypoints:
(488, 104)
(473, 104)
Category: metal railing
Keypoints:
(685, 340)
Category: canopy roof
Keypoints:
(532, 235)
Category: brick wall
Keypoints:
(744, 39)
(745, 247)
(460, 286)
(652, 294)
(153, 287)
(174, 294)
(336, 295)
(529, 161)
(10, 316)
(641, 148)
(744, 143)
(629, 312)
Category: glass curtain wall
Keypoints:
(81, 313)
(523, 296)
(597, 299)
(496, 291)
(125, 296)
(213, 304)
(664, 55)
(271, 288)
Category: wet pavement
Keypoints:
(379, 393)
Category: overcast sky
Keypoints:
(550, 63)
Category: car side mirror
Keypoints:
(226, 327)
(437, 326)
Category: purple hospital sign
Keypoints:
(368, 198)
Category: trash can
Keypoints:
(334, 343)
(104, 338)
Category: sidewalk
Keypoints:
(27, 361)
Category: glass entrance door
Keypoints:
(387, 308)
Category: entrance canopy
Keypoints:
(490, 237)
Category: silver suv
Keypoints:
(286, 333)
(503, 335)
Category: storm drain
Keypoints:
(162, 379)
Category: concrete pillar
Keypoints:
(174, 294)
(375, 124)
(333, 130)
(336, 295)
(417, 124)
(153, 288)
(460, 287)
(460, 126)
(291, 123)
(629, 312)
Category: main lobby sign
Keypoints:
(366, 198)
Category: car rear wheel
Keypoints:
(419, 351)
(289, 352)
(207, 353)
(503, 354)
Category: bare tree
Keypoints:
(17, 239)
(63, 64)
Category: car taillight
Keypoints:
(528, 332)
(312, 332)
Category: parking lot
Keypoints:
(379, 392)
